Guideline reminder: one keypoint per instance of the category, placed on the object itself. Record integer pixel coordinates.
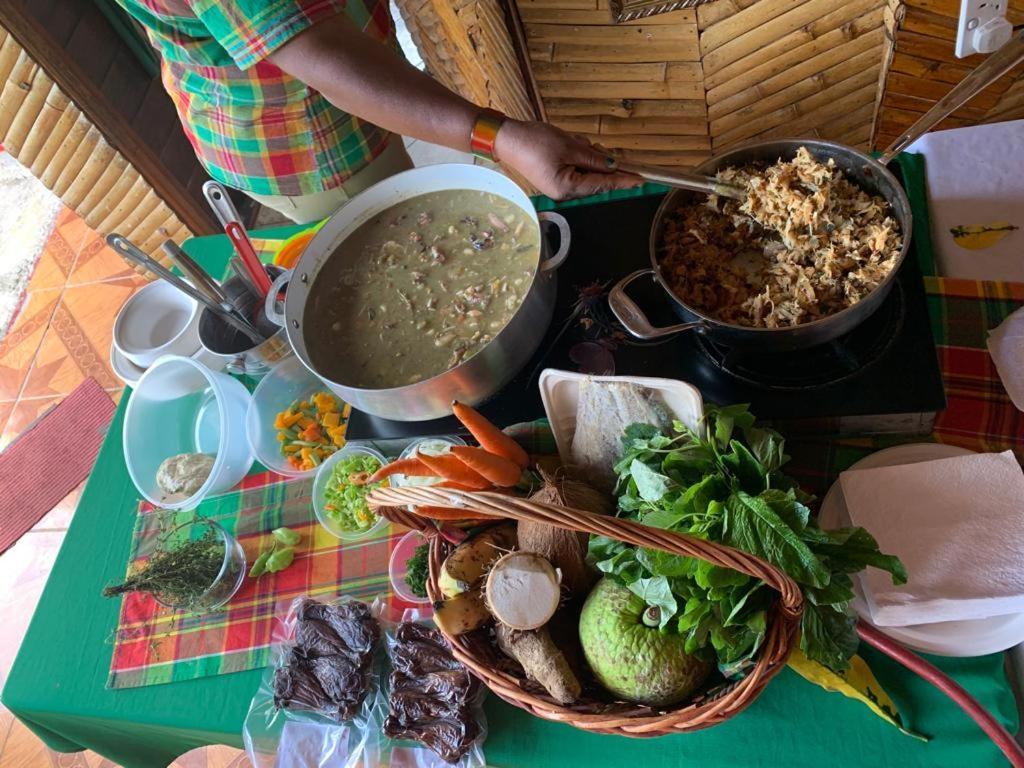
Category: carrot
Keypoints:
(449, 513)
(497, 469)
(450, 468)
(489, 436)
(410, 467)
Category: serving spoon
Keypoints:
(692, 181)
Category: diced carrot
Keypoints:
(450, 468)
(281, 437)
(303, 405)
(291, 419)
(304, 421)
(279, 421)
(489, 436)
(331, 419)
(411, 467)
(497, 469)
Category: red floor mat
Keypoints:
(50, 458)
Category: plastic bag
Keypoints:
(431, 711)
(317, 704)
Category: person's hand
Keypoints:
(558, 164)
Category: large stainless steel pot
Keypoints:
(480, 376)
(860, 168)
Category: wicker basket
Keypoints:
(710, 708)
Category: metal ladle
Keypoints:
(672, 178)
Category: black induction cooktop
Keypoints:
(882, 377)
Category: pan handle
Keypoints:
(558, 257)
(633, 318)
(271, 301)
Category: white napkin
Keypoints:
(1006, 345)
(958, 526)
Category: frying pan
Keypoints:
(861, 169)
(868, 173)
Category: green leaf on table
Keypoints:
(650, 485)
(851, 549)
(287, 536)
(753, 526)
(828, 636)
(657, 593)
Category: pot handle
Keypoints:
(270, 309)
(633, 318)
(558, 258)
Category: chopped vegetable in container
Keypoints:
(347, 490)
(311, 430)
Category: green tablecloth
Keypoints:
(56, 686)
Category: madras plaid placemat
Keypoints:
(979, 414)
(153, 644)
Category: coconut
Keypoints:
(565, 550)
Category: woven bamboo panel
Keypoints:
(924, 68)
(791, 68)
(635, 87)
(467, 47)
(51, 137)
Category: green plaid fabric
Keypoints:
(253, 126)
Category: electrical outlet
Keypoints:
(983, 27)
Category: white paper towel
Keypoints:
(974, 179)
(958, 526)
(1006, 345)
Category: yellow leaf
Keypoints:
(857, 683)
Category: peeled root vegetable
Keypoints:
(541, 660)
(462, 613)
(465, 566)
(523, 590)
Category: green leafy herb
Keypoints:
(278, 555)
(260, 566)
(178, 574)
(723, 483)
(416, 570)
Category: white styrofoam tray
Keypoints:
(559, 391)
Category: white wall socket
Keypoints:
(983, 27)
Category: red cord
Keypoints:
(1002, 738)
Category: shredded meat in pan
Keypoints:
(805, 244)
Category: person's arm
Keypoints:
(366, 78)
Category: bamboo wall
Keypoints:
(467, 47)
(51, 137)
(675, 87)
(924, 68)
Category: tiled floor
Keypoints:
(61, 336)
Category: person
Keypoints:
(301, 104)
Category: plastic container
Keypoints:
(288, 381)
(157, 320)
(323, 474)
(397, 567)
(232, 571)
(559, 391)
(130, 373)
(181, 406)
(432, 446)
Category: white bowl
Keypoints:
(130, 373)
(157, 320)
(323, 474)
(287, 381)
(181, 406)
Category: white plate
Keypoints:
(975, 637)
(559, 391)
